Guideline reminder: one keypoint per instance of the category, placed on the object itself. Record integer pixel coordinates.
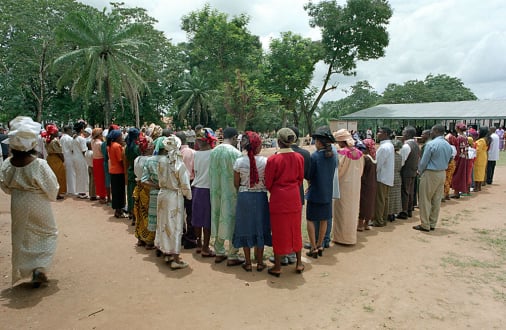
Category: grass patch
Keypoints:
(466, 262)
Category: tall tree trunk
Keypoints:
(107, 103)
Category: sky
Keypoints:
(465, 39)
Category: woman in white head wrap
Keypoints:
(32, 185)
(174, 183)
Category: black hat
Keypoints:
(324, 131)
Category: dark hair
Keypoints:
(483, 132)
(79, 126)
(327, 145)
(295, 130)
(182, 136)
(438, 129)
(410, 132)
(386, 130)
(229, 133)
(166, 132)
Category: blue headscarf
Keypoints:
(133, 134)
(113, 135)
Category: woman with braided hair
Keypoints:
(252, 224)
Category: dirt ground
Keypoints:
(394, 277)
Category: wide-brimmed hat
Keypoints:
(324, 131)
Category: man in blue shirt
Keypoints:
(432, 170)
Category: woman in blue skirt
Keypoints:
(252, 225)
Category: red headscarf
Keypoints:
(371, 145)
(207, 135)
(142, 142)
(51, 130)
(254, 142)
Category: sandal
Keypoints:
(247, 267)
(313, 253)
(178, 264)
(261, 267)
(209, 254)
(273, 273)
(320, 251)
(299, 269)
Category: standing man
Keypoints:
(432, 168)
(493, 154)
(190, 137)
(410, 155)
(224, 196)
(384, 175)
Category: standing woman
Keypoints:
(132, 151)
(144, 236)
(174, 183)
(367, 186)
(201, 198)
(117, 172)
(347, 208)
(79, 160)
(98, 164)
(319, 192)
(252, 229)
(452, 140)
(55, 159)
(459, 181)
(480, 163)
(32, 185)
(284, 173)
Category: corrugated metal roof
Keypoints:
(489, 109)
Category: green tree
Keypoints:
(220, 46)
(289, 70)
(27, 49)
(102, 59)
(356, 31)
(439, 88)
(193, 98)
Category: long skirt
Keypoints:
(286, 232)
(33, 231)
(58, 167)
(140, 211)
(252, 224)
(99, 177)
(201, 207)
(170, 223)
(118, 191)
(449, 176)
(153, 206)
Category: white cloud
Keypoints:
(461, 38)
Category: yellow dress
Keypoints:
(480, 163)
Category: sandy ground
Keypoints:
(395, 278)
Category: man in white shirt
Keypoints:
(493, 154)
(384, 175)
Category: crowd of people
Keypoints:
(190, 189)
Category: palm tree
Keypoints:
(102, 60)
(193, 98)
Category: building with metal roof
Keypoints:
(425, 115)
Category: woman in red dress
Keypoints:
(284, 174)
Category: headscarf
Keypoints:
(142, 142)
(112, 136)
(207, 135)
(157, 132)
(473, 133)
(254, 142)
(50, 130)
(23, 133)
(371, 145)
(158, 144)
(96, 133)
(172, 144)
(461, 126)
(133, 134)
